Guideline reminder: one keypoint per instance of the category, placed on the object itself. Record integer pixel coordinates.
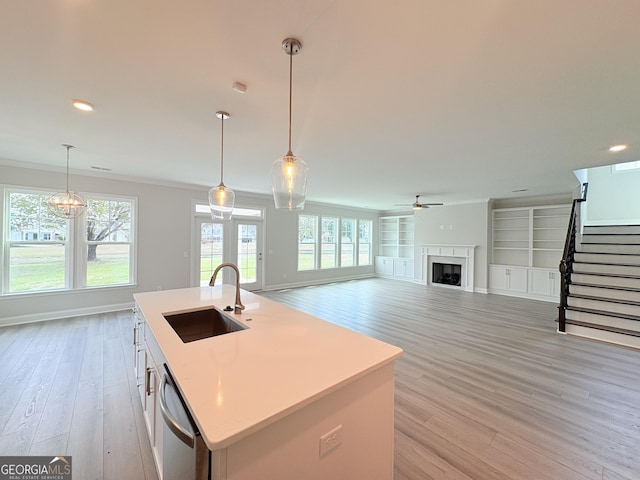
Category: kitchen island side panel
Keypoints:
(289, 449)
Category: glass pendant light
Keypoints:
(289, 173)
(66, 204)
(221, 198)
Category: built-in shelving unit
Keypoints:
(529, 237)
(396, 247)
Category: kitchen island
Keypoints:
(289, 397)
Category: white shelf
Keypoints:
(526, 254)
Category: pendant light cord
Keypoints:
(222, 151)
(68, 147)
(290, 153)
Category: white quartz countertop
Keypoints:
(240, 382)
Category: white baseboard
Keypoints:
(524, 295)
(282, 286)
(76, 312)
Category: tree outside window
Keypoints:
(37, 245)
(108, 241)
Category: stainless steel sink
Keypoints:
(199, 324)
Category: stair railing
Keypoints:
(566, 264)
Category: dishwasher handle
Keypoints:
(177, 429)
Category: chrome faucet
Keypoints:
(238, 307)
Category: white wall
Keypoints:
(455, 224)
(613, 198)
(164, 235)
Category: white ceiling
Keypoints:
(457, 100)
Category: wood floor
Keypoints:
(485, 389)
(67, 388)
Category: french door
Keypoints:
(238, 241)
(247, 251)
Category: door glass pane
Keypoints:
(211, 242)
(247, 252)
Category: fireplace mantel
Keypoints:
(462, 254)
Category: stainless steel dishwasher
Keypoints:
(184, 454)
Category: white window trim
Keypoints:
(74, 268)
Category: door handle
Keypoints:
(147, 381)
(177, 429)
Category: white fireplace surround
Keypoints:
(463, 255)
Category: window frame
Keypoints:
(316, 221)
(357, 242)
(75, 262)
(369, 243)
(81, 252)
(323, 250)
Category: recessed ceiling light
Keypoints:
(82, 105)
(617, 148)
(239, 87)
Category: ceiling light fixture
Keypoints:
(66, 204)
(289, 173)
(82, 105)
(239, 87)
(221, 198)
(617, 148)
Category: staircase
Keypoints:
(604, 294)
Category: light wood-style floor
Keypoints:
(485, 390)
(67, 388)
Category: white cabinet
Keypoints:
(529, 238)
(393, 267)
(139, 352)
(403, 268)
(544, 282)
(148, 370)
(508, 279)
(384, 266)
(396, 247)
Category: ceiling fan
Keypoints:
(417, 205)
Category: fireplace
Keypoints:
(457, 269)
(446, 273)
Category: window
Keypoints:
(348, 243)
(329, 246)
(42, 253)
(345, 251)
(108, 242)
(36, 245)
(211, 250)
(364, 242)
(625, 167)
(247, 247)
(307, 242)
